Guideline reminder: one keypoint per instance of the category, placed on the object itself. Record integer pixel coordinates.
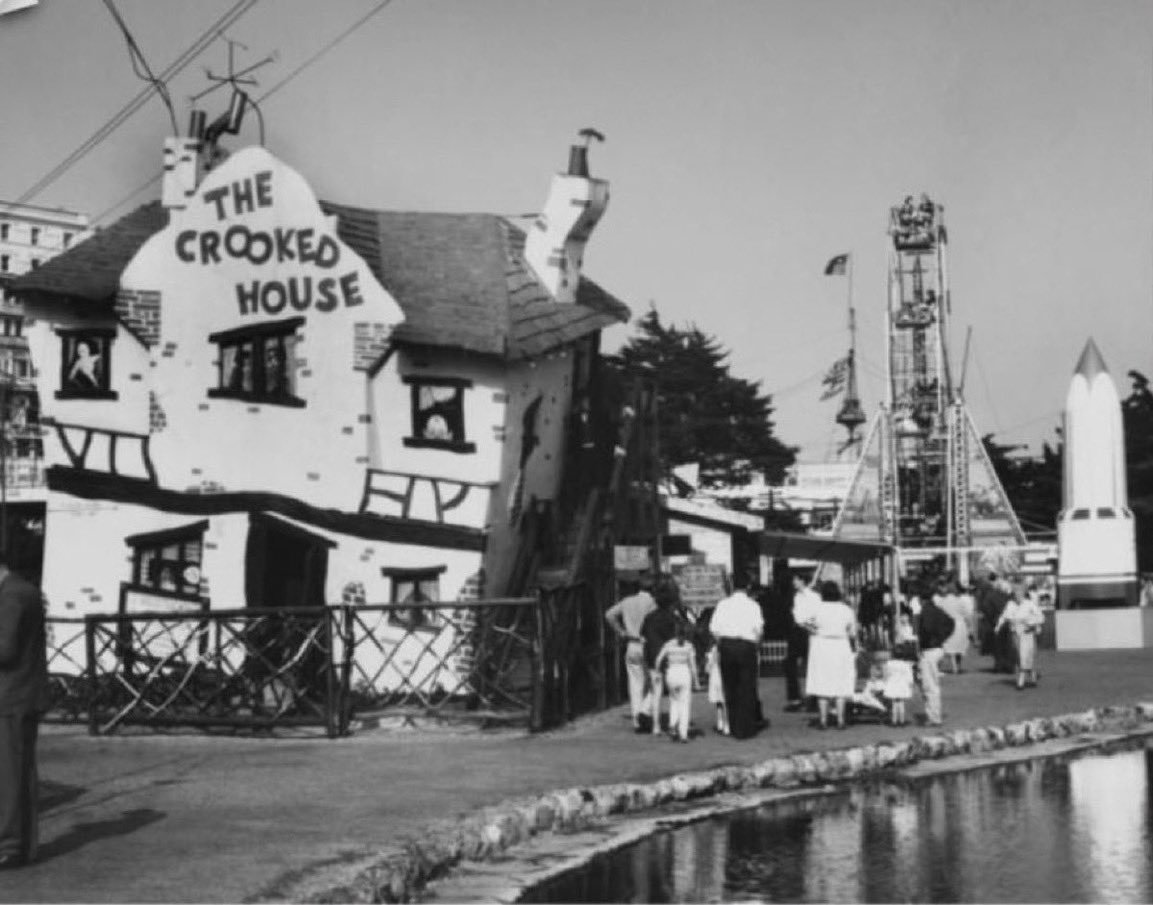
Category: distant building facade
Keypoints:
(29, 236)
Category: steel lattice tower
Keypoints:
(924, 483)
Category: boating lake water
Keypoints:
(1063, 829)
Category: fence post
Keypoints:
(347, 635)
(536, 721)
(90, 671)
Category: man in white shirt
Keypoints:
(626, 619)
(738, 624)
(805, 604)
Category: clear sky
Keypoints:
(747, 143)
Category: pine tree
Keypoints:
(706, 415)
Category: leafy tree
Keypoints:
(706, 415)
(1137, 414)
(1032, 484)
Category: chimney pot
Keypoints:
(578, 161)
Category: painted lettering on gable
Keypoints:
(274, 246)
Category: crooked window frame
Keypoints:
(451, 410)
(70, 340)
(257, 340)
(149, 559)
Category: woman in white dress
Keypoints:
(831, 675)
(962, 609)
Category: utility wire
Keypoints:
(121, 116)
(325, 49)
(275, 88)
(136, 57)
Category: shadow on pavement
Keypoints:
(54, 794)
(83, 833)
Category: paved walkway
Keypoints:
(185, 818)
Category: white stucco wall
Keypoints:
(315, 453)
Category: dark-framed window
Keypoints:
(86, 364)
(34, 236)
(438, 413)
(169, 561)
(414, 586)
(258, 363)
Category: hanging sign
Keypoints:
(632, 559)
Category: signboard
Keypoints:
(632, 559)
(702, 585)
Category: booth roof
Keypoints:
(779, 544)
(461, 279)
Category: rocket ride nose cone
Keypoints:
(1091, 363)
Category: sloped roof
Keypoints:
(463, 282)
(91, 269)
(461, 279)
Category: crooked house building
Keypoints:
(255, 398)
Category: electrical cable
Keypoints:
(136, 57)
(240, 8)
(327, 47)
(275, 88)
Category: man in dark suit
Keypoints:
(23, 696)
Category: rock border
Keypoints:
(399, 873)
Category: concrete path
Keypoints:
(188, 818)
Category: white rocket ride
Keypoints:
(1097, 564)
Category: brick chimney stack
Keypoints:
(554, 247)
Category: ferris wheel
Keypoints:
(923, 482)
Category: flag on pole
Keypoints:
(836, 378)
(837, 265)
(14, 6)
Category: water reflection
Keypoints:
(1055, 830)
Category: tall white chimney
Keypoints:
(554, 247)
(182, 164)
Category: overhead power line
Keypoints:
(121, 116)
(325, 49)
(271, 91)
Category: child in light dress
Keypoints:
(717, 688)
(898, 687)
(678, 658)
(873, 690)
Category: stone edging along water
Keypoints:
(399, 874)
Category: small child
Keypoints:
(679, 660)
(898, 687)
(873, 690)
(717, 688)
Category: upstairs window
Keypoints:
(3, 232)
(86, 364)
(169, 562)
(34, 236)
(258, 363)
(438, 414)
(68, 240)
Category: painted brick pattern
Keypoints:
(140, 310)
(157, 420)
(370, 344)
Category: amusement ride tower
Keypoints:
(924, 483)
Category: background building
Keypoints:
(29, 237)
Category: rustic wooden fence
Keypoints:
(538, 661)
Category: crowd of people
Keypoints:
(841, 661)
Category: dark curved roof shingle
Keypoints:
(461, 279)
